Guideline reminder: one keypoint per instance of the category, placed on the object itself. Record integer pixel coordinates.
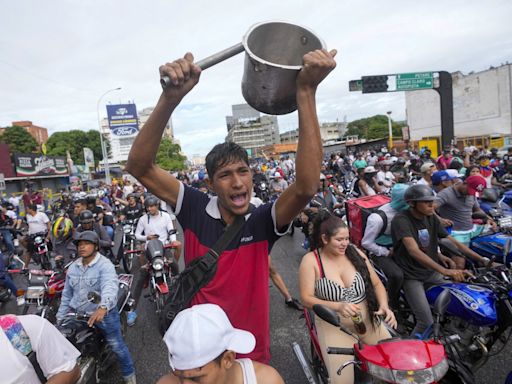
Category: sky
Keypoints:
(57, 58)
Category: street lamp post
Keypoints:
(390, 128)
(102, 142)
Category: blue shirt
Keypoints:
(99, 276)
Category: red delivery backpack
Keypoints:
(358, 211)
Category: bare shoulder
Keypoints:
(168, 379)
(267, 374)
(308, 259)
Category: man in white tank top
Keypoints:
(203, 345)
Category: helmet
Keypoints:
(89, 236)
(91, 199)
(86, 217)
(419, 192)
(151, 200)
(62, 228)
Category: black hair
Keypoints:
(80, 201)
(470, 168)
(455, 164)
(328, 224)
(222, 154)
(32, 207)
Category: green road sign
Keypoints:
(413, 81)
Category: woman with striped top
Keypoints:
(338, 275)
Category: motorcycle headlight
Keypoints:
(158, 264)
(38, 240)
(34, 293)
(127, 228)
(420, 376)
(263, 185)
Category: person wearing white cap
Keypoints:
(427, 169)
(277, 184)
(203, 345)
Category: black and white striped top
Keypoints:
(330, 290)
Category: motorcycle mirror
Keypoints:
(327, 314)
(442, 302)
(94, 297)
(172, 232)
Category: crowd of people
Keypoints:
(224, 337)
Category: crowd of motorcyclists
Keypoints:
(442, 192)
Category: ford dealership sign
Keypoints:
(122, 119)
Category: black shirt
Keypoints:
(132, 213)
(425, 232)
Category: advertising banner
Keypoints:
(122, 119)
(29, 164)
(88, 158)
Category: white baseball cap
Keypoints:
(200, 334)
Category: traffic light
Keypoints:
(374, 84)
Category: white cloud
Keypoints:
(57, 58)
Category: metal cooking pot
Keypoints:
(273, 58)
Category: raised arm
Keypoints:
(184, 75)
(317, 65)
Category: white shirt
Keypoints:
(374, 225)
(159, 224)
(387, 178)
(37, 223)
(127, 189)
(422, 181)
(54, 353)
(15, 201)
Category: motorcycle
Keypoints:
(42, 252)
(96, 358)
(128, 248)
(160, 270)
(261, 191)
(44, 291)
(393, 360)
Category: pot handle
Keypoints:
(210, 61)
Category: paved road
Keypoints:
(150, 356)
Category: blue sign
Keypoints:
(122, 119)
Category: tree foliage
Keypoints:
(19, 140)
(375, 127)
(74, 141)
(169, 157)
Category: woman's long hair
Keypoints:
(328, 224)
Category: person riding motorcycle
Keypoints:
(133, 209)
(37, 222)
(415, 233)
(377, 241)
(93, 272)
(155, 225)
(87, 222)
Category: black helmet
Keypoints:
(90, 199)
(89, 236)
(419, 192)
(151, 200)
(86, 217)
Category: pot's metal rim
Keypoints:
(259, 59)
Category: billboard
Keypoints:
(122, 119)
(29, 164)
(88, 157)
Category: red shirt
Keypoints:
(240, 286)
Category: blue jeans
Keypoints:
(7, 282)
(7, 235)
(111, 328)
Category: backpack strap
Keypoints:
(384, 221)
(20, 341)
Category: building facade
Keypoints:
(482, 104)
(40, 134)
(329, 131)
(253, 131)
